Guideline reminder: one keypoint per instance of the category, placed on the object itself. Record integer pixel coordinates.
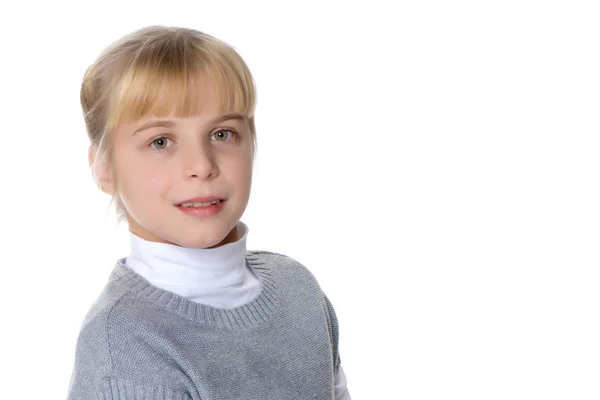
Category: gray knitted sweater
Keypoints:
(144, 343)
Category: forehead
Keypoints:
(198, 95)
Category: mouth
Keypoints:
(207, 208)
(197, 204)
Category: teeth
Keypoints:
(206, 203)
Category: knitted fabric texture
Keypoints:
(140, 342)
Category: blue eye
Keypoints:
(220, 134)
(161, 143)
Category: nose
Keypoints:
(199, 162)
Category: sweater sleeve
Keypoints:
(111, 388)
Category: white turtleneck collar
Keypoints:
(216, 277)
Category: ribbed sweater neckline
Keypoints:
(256, 312)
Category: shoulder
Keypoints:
(92, 360)
(122, 333)
(92, 340)
(283, 265)
(293, 273)
(291, 267)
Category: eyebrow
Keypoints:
(167, 123)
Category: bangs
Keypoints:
(180, 79)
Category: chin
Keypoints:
(201, 240)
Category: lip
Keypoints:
(206, 211)
(201, 199)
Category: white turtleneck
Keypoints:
(217, 277)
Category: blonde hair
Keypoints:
(156, 71)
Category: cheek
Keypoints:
(155, 180)
(241, 168)
(244, 179)
(142, 179)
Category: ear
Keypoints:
(101, 173)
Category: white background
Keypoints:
(434, 163)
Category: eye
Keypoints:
(222, 134)
(160, 143)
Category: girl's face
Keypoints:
(161, 162)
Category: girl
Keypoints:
(190, 313)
